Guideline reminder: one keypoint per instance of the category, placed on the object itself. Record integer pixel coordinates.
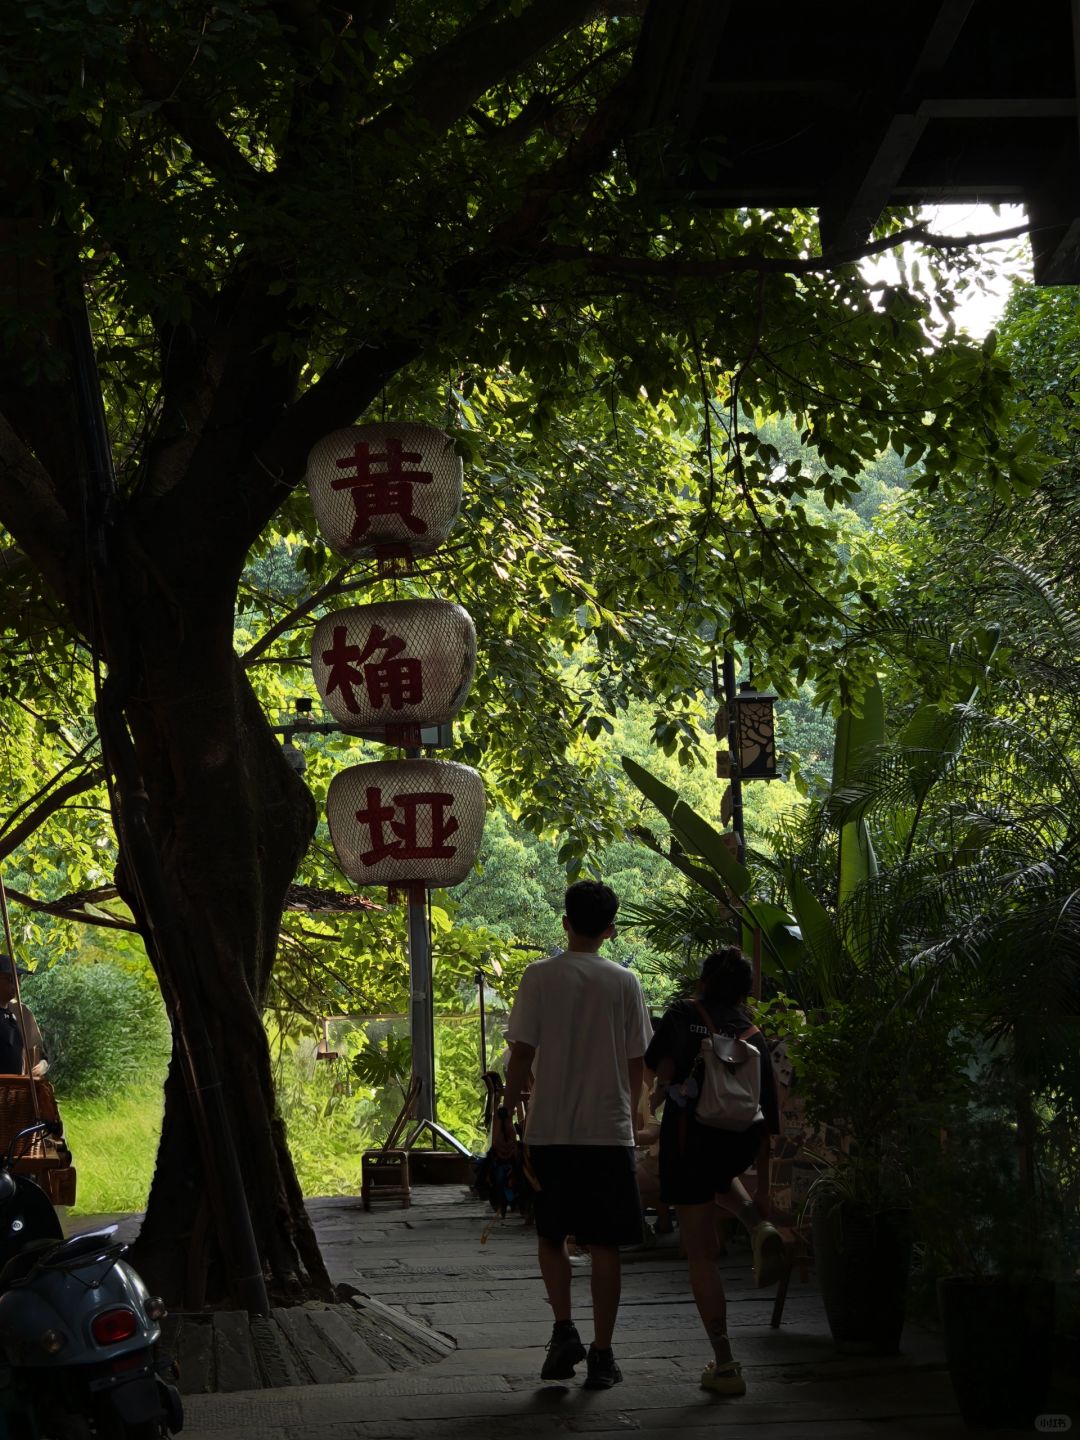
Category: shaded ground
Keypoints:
(428, 1263)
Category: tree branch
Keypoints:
(49, 806)
(345, 391)
(13, 561)
(673, 268)
(332, 587)
(441, 87)
(78, 757)
(31, 512)
(209, 144)
(68, 908)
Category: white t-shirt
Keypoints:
(586, 1017)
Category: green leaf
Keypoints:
(700, 838)
(857, 737)
(822, 942)
(662, 796)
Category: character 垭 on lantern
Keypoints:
(406, 822)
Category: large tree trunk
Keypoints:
(230, 823)
(148, 578)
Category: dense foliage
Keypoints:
(283, 219)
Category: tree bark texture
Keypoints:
(230, 824)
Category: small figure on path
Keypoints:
(701, 1162)
(580, 1024)
(35, 1062)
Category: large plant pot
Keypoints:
(999, 1347)
(863, 1261)
(1067, 1326)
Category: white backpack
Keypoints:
(730, 1094)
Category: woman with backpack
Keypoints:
(713, 1070)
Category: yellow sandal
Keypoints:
(723, 1379)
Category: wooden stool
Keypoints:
(384, 1173)
(797, 1252)
(46, 1158)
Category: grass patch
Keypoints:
(114, 1143)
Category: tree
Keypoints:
(280, 213)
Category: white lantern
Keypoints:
(406, 822)
(389, 490)
(395, 665)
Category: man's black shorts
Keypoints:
(587, 1191)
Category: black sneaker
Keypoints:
(603, 1372)
(564, 1351)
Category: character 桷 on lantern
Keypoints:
(395, 663)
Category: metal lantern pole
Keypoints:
(421, 993)
(421, 1002)
(480, 981)
(730, 692)
(391, 491)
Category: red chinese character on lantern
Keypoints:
(389, 492)
(403, 842)
(400, 682)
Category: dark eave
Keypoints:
(851, 108)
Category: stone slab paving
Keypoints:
(432, 1264)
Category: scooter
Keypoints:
(78, 1328)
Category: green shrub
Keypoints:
(103, 1028)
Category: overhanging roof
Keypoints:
(850, 107)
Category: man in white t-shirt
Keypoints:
(580, 1025)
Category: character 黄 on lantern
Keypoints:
(390, 491)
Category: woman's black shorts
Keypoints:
(587, 1191)
(699, 1161)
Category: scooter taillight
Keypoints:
(112, 1326)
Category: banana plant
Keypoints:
(857, 737)
(701, 853)
(925, 752)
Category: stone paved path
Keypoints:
(429, 1263)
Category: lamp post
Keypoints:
(747, 719)
(746, 722)
(730, 693)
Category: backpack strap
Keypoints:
(705, 1017)
(753, 1030)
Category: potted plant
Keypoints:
(997, 1233)
(876, 1090)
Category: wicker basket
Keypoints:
(46, 1158)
